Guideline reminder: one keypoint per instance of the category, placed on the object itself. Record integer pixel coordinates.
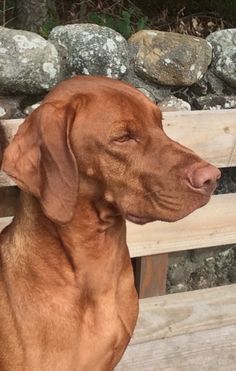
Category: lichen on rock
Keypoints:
(90, 49)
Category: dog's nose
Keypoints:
(204, 178)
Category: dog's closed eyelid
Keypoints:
(123, 138)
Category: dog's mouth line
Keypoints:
(180, 214)
(138, 219)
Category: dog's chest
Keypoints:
(60, 334)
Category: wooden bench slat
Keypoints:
(211, 350)
(211, 134)
(184, 329)
(186, 312)
(10, 127)
(212, 225)
(4, 222)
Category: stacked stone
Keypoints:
(176, 71)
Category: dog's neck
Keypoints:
(94, 240)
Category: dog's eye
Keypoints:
(124, 138)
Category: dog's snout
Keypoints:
(204, 178)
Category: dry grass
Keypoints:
(198, 24)
(128, 16)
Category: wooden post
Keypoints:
(151, 274)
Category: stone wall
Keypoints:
(178, 72)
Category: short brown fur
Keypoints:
(93, 155)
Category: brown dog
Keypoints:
(92, 155)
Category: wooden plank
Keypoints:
(211, 134)
(187, 312)
(10, 127)
(4, 222)
(212, 225)
(151, 275)
(8, 200)
(179, 330)
(212, 350)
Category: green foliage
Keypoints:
(126, 22)
(123, 25)
(125, 16)
(47, 27)
(52, 20)
(143, 23)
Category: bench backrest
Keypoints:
(211, 134)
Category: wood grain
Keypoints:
(187, 312)
(212, 225)
(211, 134)
(8, 200)
(209, 350)
(185, 331)
(151, 275)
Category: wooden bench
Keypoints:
(185, 331)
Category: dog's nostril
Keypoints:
(207, 182)
(204, 177)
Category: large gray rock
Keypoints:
(214, 102)
(29, 109)
(28, 63)
(91, 50)
(224, 55)
(169, 58)
(153, 91)
(10, 107)
(172, 103)
(209, 84)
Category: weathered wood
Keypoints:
(187, 312)
(4, 222)
(151, 274)
(3, 142)
(212, 225)
(211, 134)
(8, 199)
(5, 181)
(210, 350)
(10, 128)
(193, 330)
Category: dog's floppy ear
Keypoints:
(41, 161)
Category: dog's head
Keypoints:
(108, 134)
